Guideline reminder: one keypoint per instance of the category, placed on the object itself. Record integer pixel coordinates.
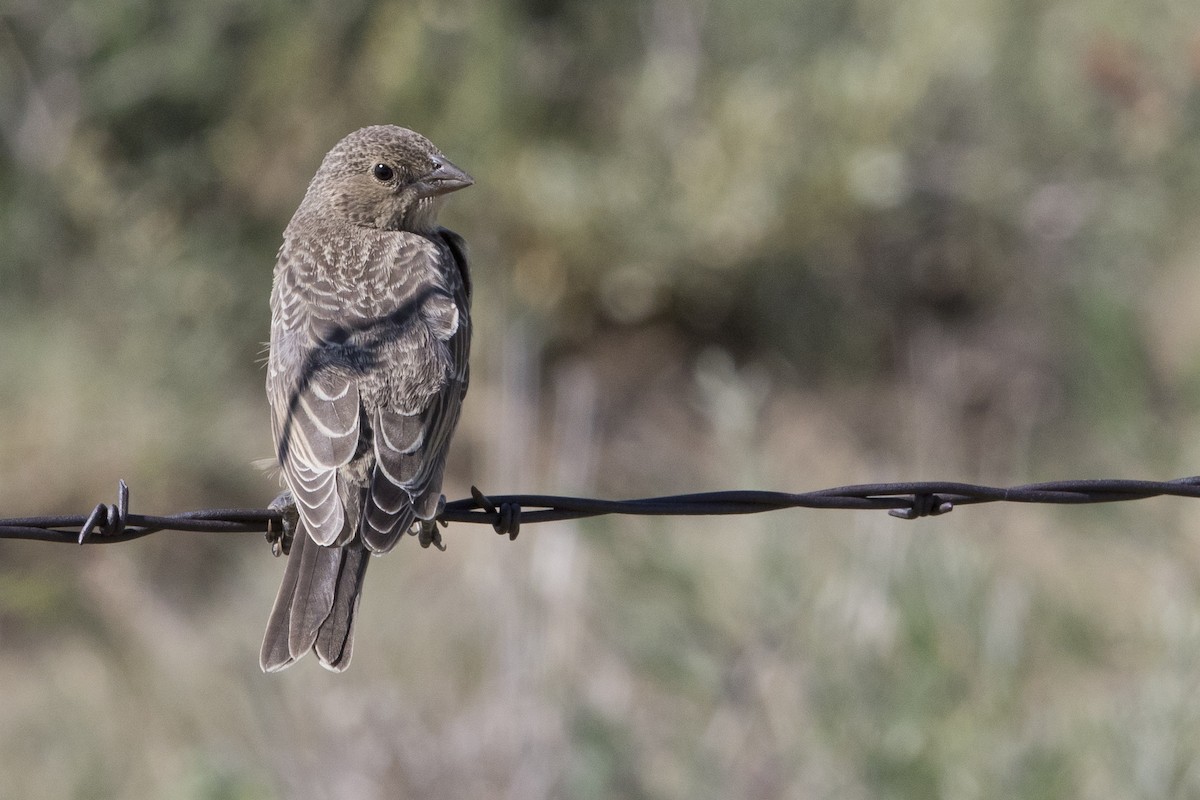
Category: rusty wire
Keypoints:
(506, 513)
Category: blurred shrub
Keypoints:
(832, 184)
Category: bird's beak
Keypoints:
(444, 178)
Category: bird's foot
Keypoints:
(280, 537)
(430, 535)
(428, 532)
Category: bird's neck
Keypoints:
(422, 216)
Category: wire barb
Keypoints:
(508, 514)
(110, 519)
(923, 505)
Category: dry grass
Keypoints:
(997, 652)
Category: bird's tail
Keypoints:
(316, 605)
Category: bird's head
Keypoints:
(385, 177)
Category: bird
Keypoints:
(367, 369)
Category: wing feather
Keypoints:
(410, 448)
(378, 361)
(314, 405)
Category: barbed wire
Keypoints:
(507, 513)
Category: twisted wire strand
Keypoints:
(507, 513)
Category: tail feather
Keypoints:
(316, 604)
(315, 582)
(335, 639)
(275, 654)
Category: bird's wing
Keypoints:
(411, 439)
(314, 399)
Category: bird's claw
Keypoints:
(427, 532)
(430, 535)
(280, 537)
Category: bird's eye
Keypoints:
(382, 172)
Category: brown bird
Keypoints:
(370, 332)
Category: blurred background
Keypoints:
(777, 244)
